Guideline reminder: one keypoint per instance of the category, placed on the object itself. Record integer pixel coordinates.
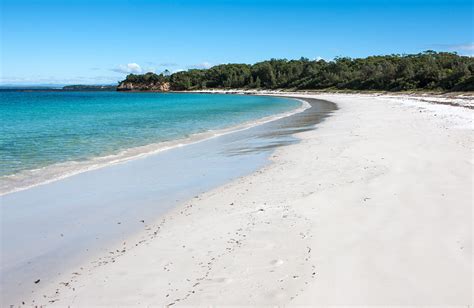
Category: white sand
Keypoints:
(373, 207)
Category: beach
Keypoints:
(373, 207)
(54, 226)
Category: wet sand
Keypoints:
(49, 231)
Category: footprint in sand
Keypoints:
(276, 295)
(269, 246)
(222, 280)
(277, 262)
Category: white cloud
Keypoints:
(134, 68)
(130, 68)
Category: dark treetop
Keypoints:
(424, 71)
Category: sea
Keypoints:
(45, 136)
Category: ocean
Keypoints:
(49, 135)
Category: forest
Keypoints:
(430, 70)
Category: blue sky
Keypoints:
(72, 41)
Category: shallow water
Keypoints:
(49, 229)
(48, 135)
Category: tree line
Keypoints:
(428, 71)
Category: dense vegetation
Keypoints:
(428, 71)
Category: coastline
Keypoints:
(32, 178)
(340, 217)
(455, 99)
(113, 203)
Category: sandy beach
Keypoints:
(374, 207)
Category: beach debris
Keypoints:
(119, 223)
(142, 221)
(37, 281)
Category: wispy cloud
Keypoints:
(134, 68)
(462, 48)
(202, 65)
(168, 64)
(161, 64)
(130, 68)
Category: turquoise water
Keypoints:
(40, 129)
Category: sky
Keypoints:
(101, 41)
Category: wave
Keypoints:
(35, 177)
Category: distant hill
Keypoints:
(27, 88)
(80, 87)
(41, 88)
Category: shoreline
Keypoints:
(118, 201)
(56, 172)
(340, 217)
(455, 99)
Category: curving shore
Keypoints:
(31, 178)
(372, 208)
(80, 218)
